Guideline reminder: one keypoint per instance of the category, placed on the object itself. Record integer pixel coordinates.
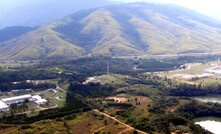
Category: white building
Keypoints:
(41, 102)
(14, 91)
(38, 100)
(212, 71)
(91, 78)
(3, 106)
(6, 102)
(53, 90)
(17, 99)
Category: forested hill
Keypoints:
(120, 30)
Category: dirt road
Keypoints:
(113, 118)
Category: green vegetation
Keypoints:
(114, 80)
(148, 94)
(13, 32)
(144, 100)
(120, 30)
(91, 89)
(153, 65)
(83, 123)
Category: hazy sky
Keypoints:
(208, 7)
(36, 12)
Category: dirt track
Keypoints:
(113, 118)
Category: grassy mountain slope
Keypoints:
(39, 44)
(129, 29)
(13, 32)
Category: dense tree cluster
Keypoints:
(24, 85)
(162, 104)
(185, 89)
(122, 105)
(26, 74)
(202, 59)
(195, 109)
(153, 65)
(91, 89)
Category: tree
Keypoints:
(65, 124)
(135, 132)
(26, 100)
(105, 122)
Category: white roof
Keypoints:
(36, 97)
(3, 105)
(91, 78)
(17, 98)
(41, 101)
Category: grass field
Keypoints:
(11, 66)
(140, 102)
(65, 86)
(113, 79)
(207, 81)
(84, 123)
(196, 69)
(55, 81)
(141, 109)
(140, 89)
(58, 98)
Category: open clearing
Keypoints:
(118, 99)
(114, 79)
(193, 74)
(85, 123)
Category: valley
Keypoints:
(130, 68)
(153, 98)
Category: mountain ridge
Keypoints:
(119, 30)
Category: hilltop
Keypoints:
(119, 30)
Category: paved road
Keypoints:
(113, 118)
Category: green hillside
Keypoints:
(13, 32)
(120, 30)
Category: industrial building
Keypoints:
(213, 70)
(3, 107)
(6, 102)
(38, 100)
(17, 99)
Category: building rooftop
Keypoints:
(3, 105)
(38, 97)
(41, 101)
(16, 98)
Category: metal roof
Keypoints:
(3, 105)
(17, 98)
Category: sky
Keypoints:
(37, 12)
(210, 8)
